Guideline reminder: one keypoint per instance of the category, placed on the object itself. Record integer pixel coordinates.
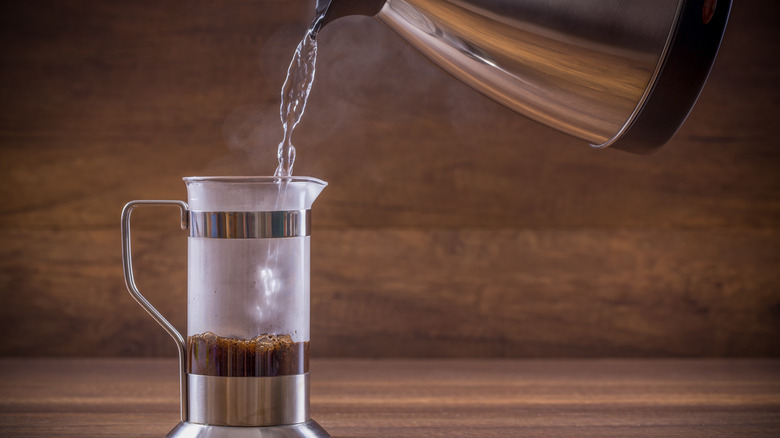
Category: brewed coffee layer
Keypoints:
(262, 356)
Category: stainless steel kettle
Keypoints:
(618, 73)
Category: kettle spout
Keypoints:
(329, 10)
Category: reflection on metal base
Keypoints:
(309, 429)
(248, 401)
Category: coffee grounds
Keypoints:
(262, 356)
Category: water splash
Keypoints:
(295, 94)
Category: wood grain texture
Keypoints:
(435, 293)
(451, 226)
(412, 398)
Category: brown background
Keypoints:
(451, 227)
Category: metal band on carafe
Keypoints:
(250, 224)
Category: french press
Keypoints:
(245, 362)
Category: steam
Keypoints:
(369, 84)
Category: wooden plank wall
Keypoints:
(451, 226)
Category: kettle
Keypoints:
(615, 73)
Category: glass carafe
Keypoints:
(245, 361)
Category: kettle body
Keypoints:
(615, 73)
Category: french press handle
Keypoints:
(127, 263)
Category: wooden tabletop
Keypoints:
(418, 398)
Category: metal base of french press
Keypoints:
(308, 429)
